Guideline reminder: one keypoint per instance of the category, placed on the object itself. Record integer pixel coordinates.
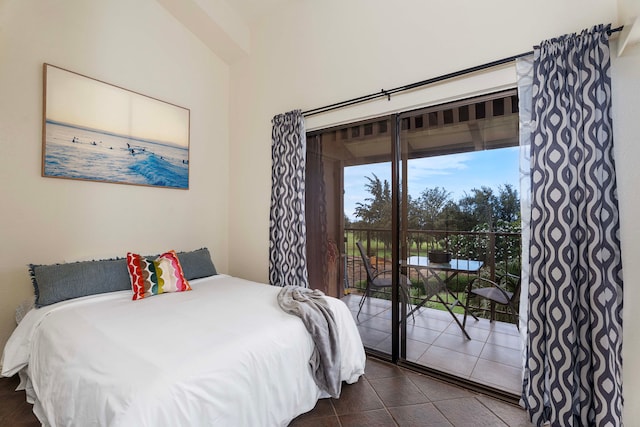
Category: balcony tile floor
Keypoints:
(492, 356)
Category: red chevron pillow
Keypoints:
(156, 276)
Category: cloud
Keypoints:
(438, 166)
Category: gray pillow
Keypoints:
(197, 264)
(59, 282)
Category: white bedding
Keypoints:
(222, 354)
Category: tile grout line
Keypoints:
(335, 413)
(477, 358)
(384, 405)
(490, 410)
(432, 402)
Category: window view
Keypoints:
(455, 192)
(458, 233)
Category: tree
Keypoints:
(508, 203)
(481, 205)
(376, 211)
(431, 204)
(453, 219)
(481, 210)
(425, 211)
(415, 219)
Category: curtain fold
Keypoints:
(524, 70)
(573, 372)
(287, 228)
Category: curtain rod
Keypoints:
(388, 93)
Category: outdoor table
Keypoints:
(451, 269)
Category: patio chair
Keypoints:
(377, 282)
(496, 293)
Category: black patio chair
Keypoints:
(496, 293)
(377, 282)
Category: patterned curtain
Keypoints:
(287, 229)
(573, 374)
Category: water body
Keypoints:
(76, 152)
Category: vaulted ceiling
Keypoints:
(223, 25)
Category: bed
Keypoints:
(222, 354)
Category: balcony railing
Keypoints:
(500, 253)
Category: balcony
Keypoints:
(498, 251)
(492, 356)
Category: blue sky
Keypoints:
(457, 173)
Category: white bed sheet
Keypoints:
(222, 354)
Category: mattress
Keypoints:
(222, 354)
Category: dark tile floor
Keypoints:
(14, 409)
(385, 396)
(388, 395)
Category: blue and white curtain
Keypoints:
(573, 350)
(287, 229)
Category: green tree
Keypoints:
(481, 210)
(415, 220)
(424, 213)
(431, 204)
(452, 218)
(508, 208)
(376, 210)
(481, 205)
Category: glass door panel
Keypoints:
(460, 220)
(403, 212)
(357, 182)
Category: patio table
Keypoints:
(433, 288)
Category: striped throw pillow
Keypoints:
(156, 276)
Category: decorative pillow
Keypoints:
(156, 276)
(197, 264)
(59, 282)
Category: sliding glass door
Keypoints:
(404, 212)
(350, 212)
(460, 230)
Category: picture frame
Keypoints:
(96, 131)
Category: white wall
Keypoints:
(626, 131)
(309, 54)
(135, 44)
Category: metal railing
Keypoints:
(500, 253)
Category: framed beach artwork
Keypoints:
(96, 131)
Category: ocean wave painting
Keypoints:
(99, 132)
(73, 152)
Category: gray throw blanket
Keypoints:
(310, 306)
